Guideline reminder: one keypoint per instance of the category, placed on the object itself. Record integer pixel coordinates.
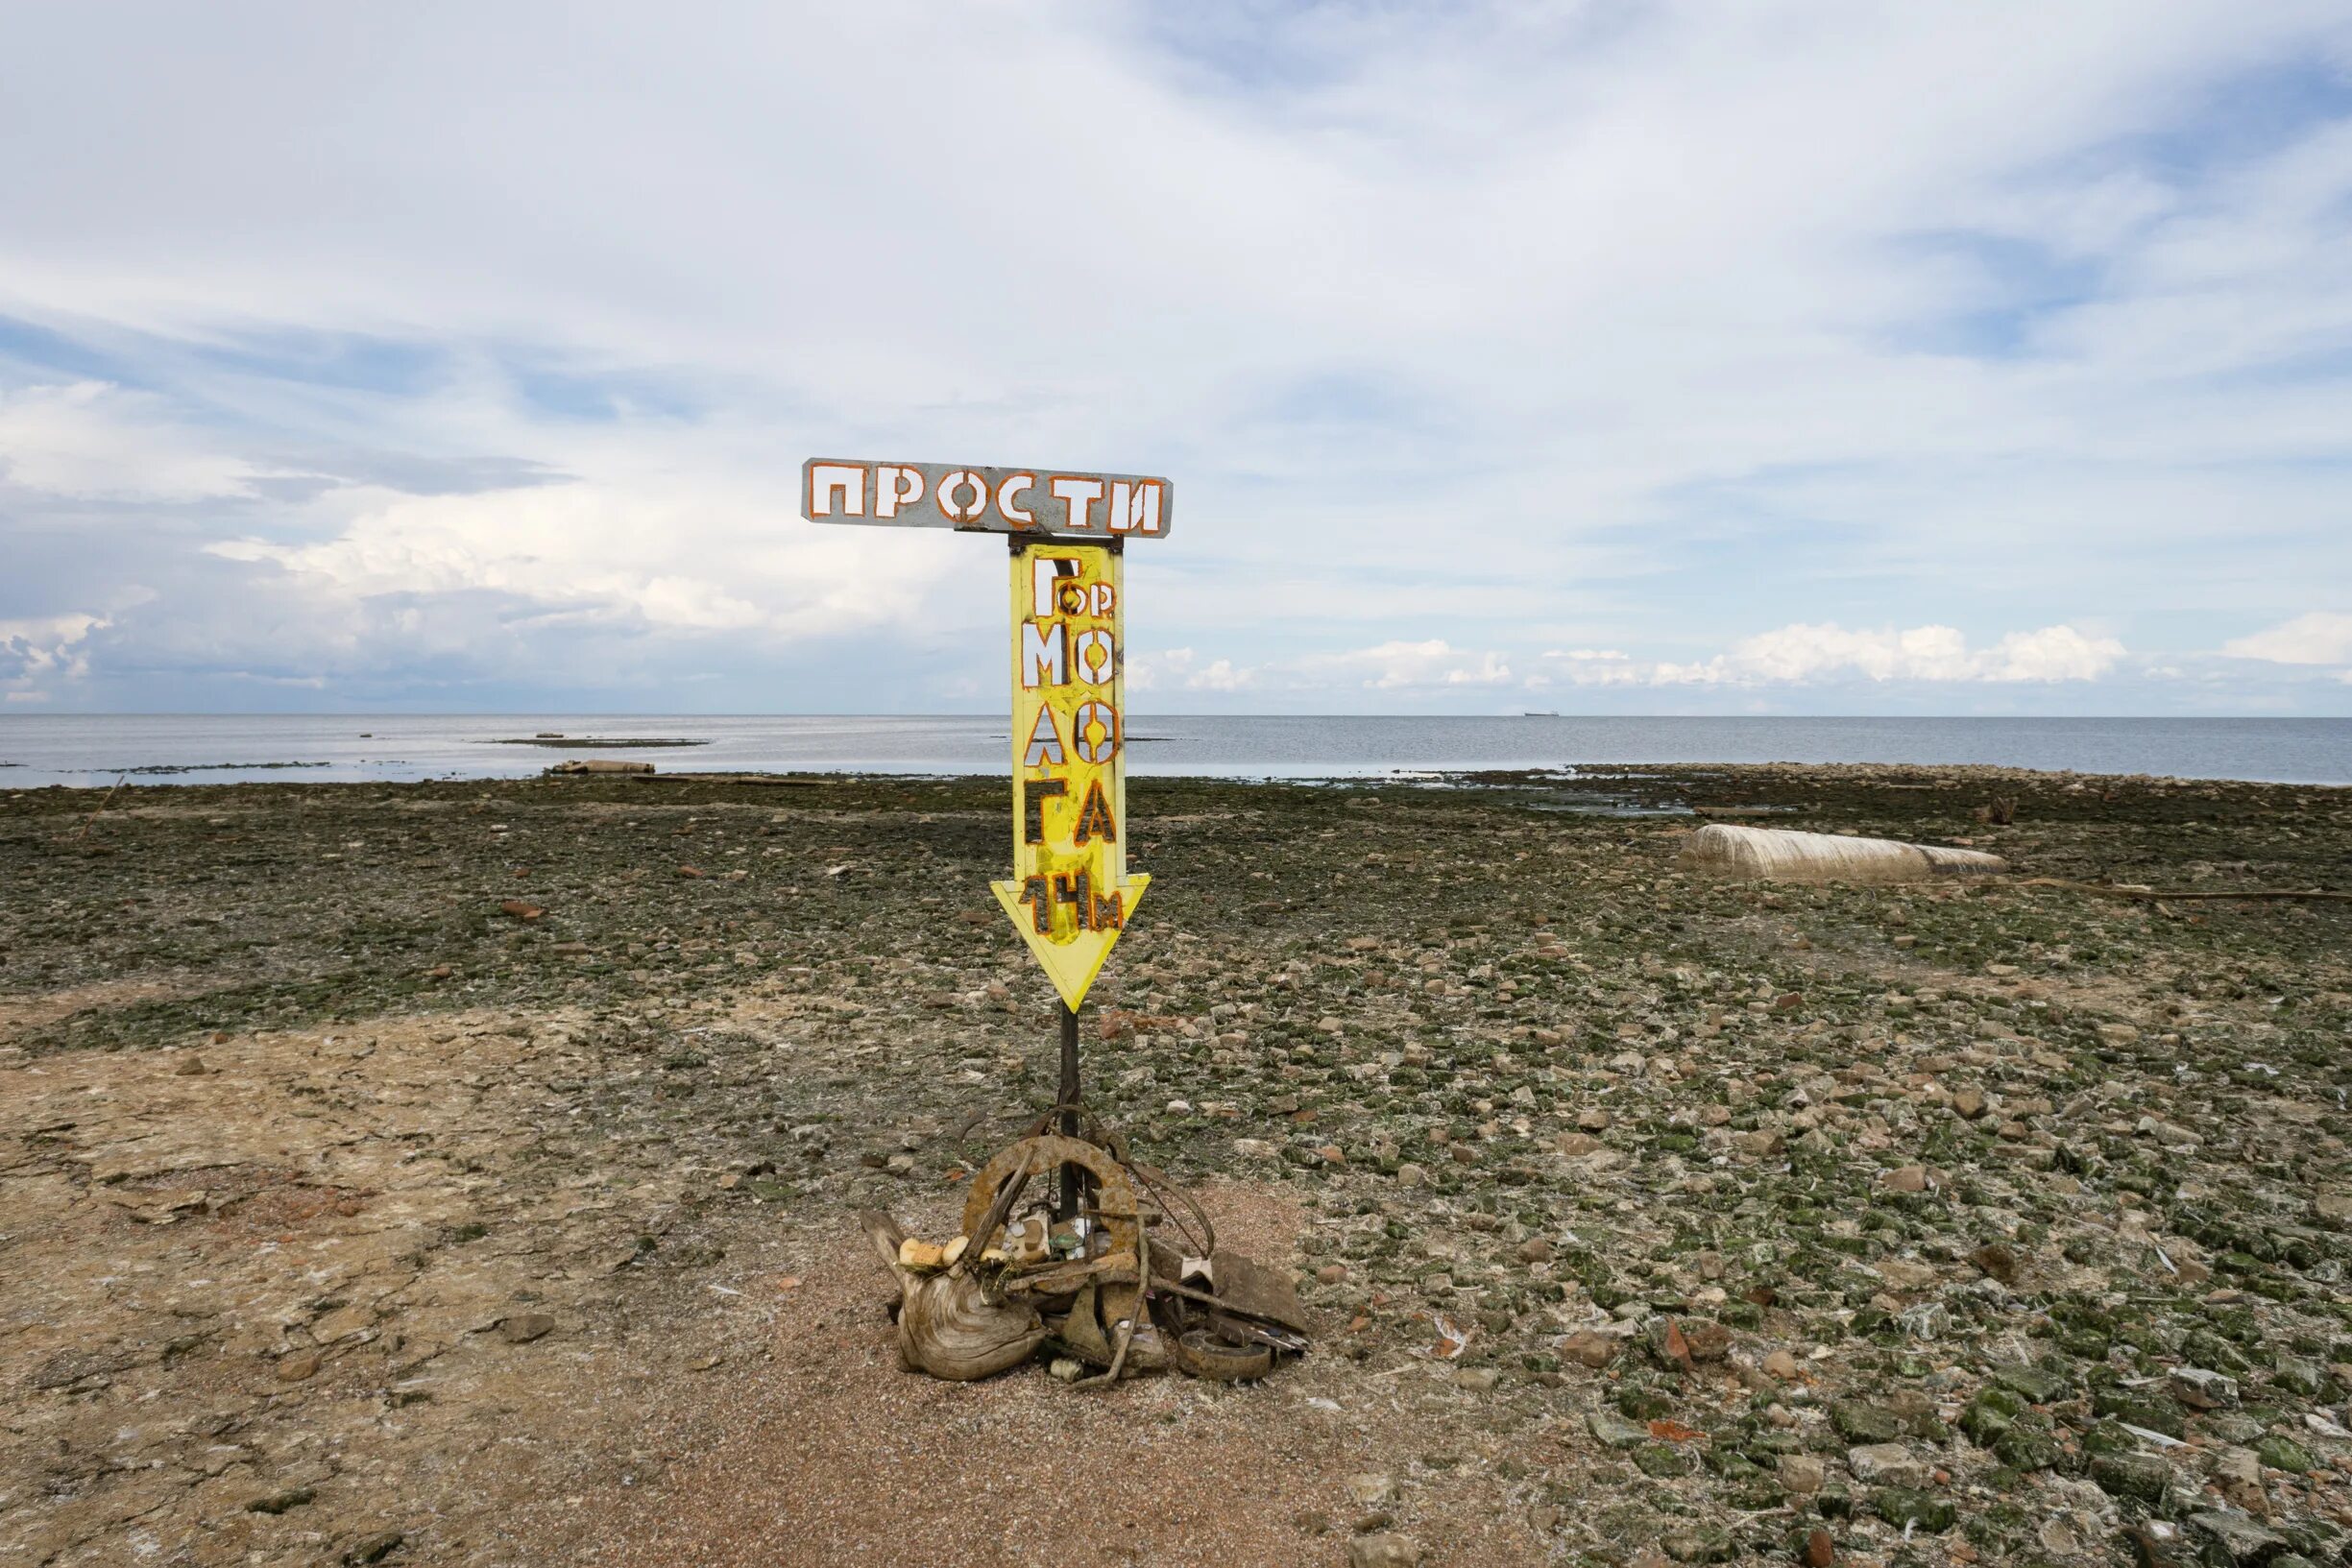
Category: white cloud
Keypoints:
(1407, 666)
(2319, 638)
(608, 551)
(1795, 655)
(1491, 323)
(1591, 666)
(1182, 670)
(1392, 668)
(2054, 653)
(37, 652)
(92, 439)
(1219, 675)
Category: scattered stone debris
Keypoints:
(2026, 1242)
(374, 1547)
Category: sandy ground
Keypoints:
(251, 1276)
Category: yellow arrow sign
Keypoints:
(1070, 895)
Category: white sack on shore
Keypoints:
(1782, 855)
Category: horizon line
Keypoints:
(7, 713)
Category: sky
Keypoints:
(1593, 357)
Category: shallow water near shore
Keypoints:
(90, 749)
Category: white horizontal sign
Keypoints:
(1051, 502)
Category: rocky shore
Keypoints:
(460, 1174)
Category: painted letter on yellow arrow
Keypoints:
(1070, 896)
(1074, 961)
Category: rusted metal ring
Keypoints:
(1203, 1353)
(1114, 1194)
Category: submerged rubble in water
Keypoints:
(1643, 1218)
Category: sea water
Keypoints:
(96, 749)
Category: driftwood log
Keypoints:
(2177, 895)
(946, 1325)
(1781, 855)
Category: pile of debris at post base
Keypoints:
(1073, 1249)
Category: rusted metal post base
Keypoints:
(1065, 1203)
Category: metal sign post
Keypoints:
(1070, 895)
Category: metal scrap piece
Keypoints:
(1251, 1290)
